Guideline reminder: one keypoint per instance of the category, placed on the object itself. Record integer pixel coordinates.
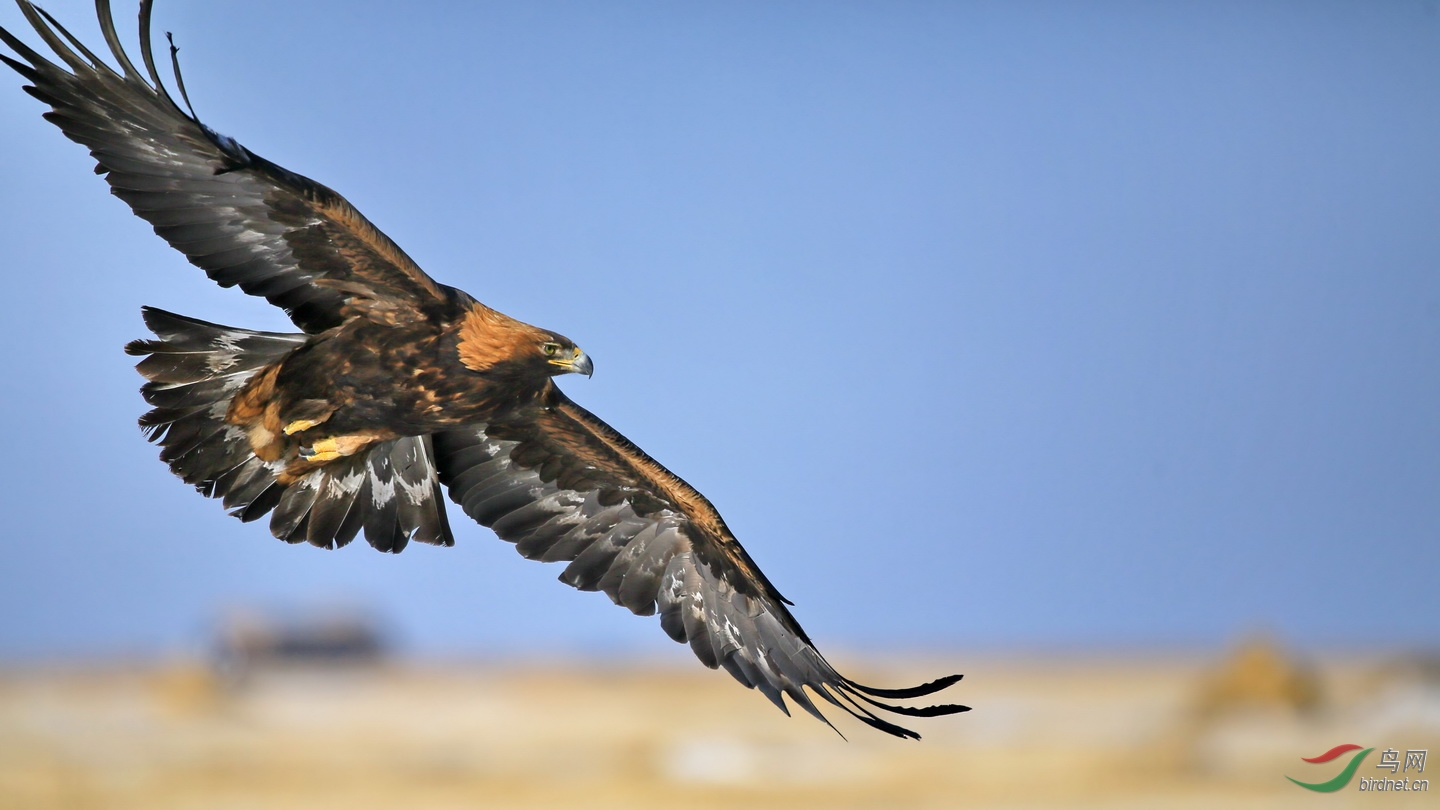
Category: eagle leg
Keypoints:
(306, 414)
(298, 425)
(336, 447)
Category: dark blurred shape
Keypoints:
(1420, 667)
(247, 639)
(1259, 675)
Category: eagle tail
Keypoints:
(195, 368)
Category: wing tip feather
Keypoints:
(922, 690)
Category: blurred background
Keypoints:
(1092, 350)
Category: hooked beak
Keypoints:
(579, 364)
(582, 364)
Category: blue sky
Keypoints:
(983, 324)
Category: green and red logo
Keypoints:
(1341, 779)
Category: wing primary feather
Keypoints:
(179, 77)
(913, 692)
(916, 711)
(96, 62)
(774, 647)
(112, 38)
(28, 53)
(797, 694)
(24, 70)
(32, 13)
(147, 52)
(851, 690)
(774, 696)
(868, 717)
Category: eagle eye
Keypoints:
(550, 349)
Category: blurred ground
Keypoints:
(1056, 731)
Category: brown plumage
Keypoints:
(397, 386)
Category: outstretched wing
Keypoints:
(239, 217)
(564, 486)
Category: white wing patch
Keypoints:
(339, 486)
(415, 491)
(381, 492)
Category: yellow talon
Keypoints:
(299, 425)
(323, 450)
(336, 446)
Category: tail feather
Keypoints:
(194, 368)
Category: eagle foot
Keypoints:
(299, 425)
(317, 456)
(323, 450)
(335, 447)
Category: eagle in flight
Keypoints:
(398, 388)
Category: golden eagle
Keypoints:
(398, 386)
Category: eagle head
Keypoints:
(489, 341)
(562, 356)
